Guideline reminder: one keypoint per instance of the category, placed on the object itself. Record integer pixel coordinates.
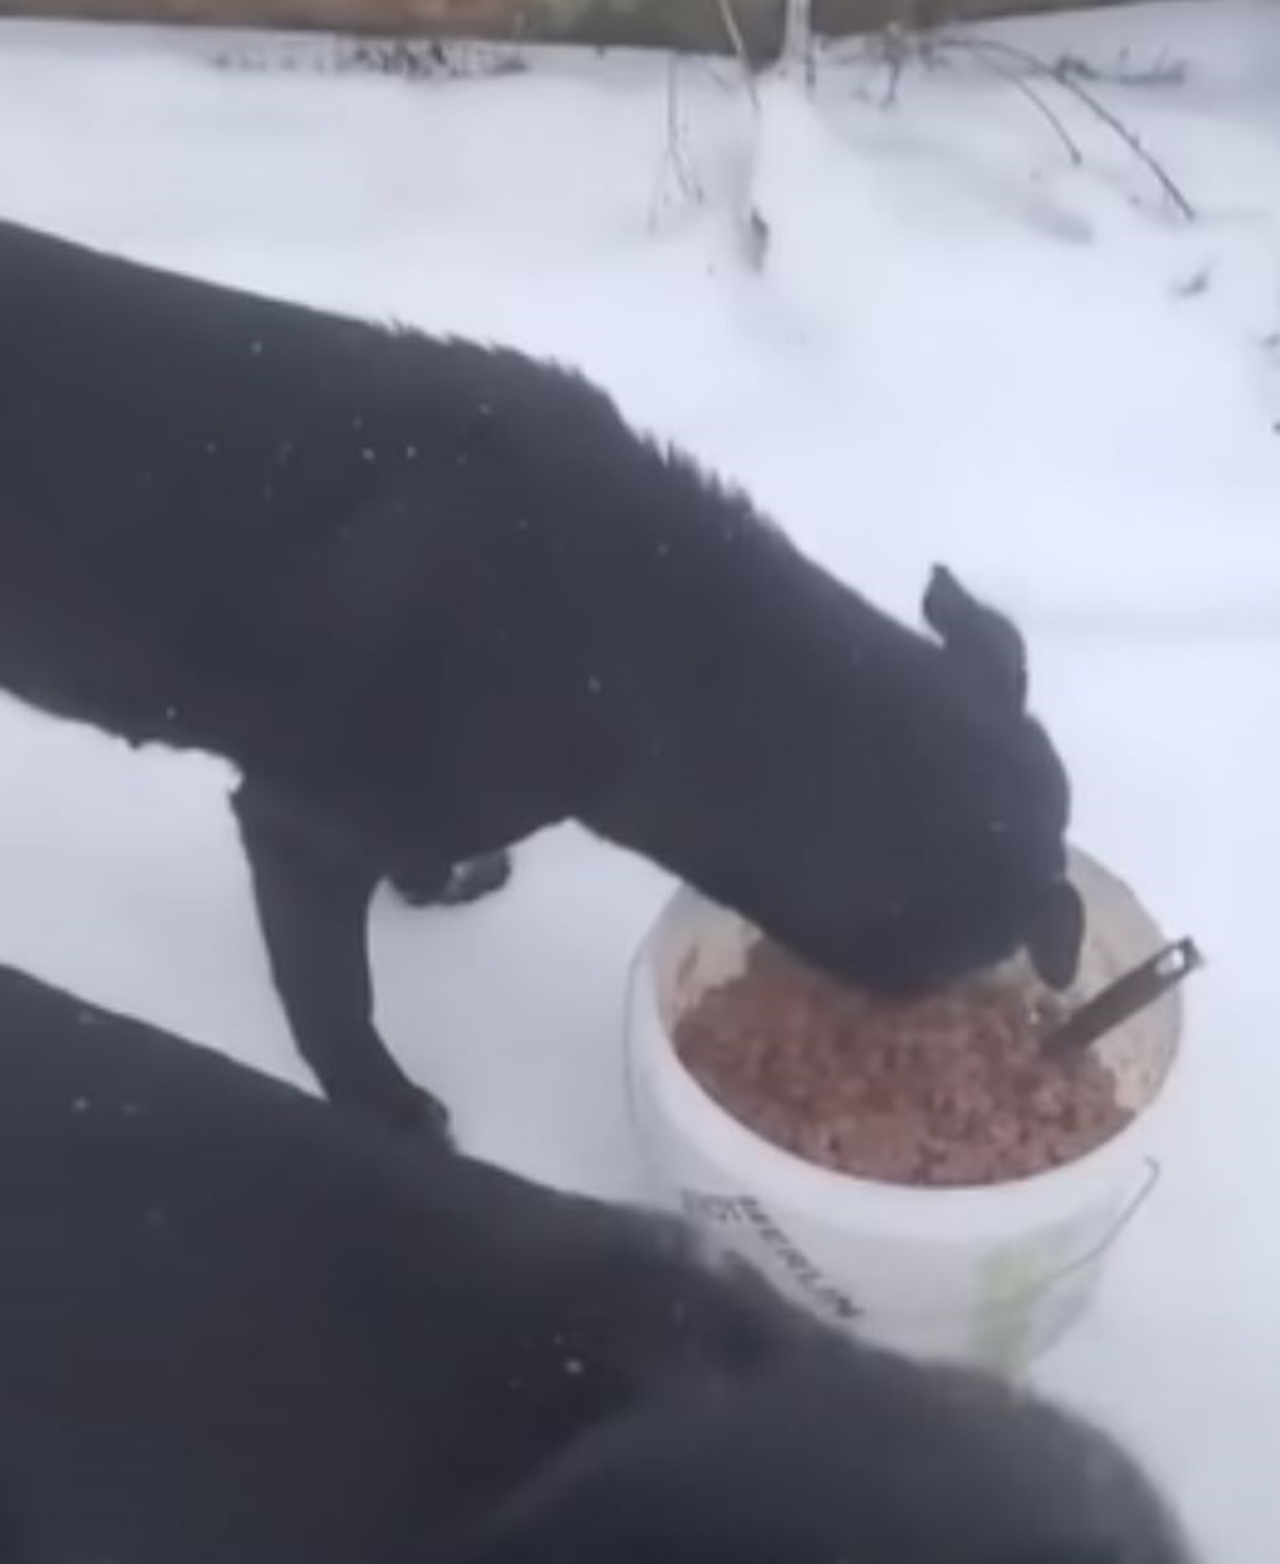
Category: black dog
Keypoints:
(430, 597)
(238, 1328)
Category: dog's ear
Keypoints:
(1056, 937)
(984, 641)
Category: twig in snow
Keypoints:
(340, 55)
(892, 47)
(1022, 85)
(1194, 285)
(675, 163)
(676, 168)
(1164, 70)
(730, 18)
(988, 48)
(896, 55)
(897, 45)
(754, 231)
(797, 40)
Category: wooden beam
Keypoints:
(691, 25)
(838, 18)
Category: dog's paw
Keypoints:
(420, 1114)
(417, 1115)
(407, 1111)
(415, 891)
(474, 880)
(458, 887)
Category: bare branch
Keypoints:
(730, 19)
(753, 229)
(1022, 85)
(797, 39)
(675, 166)
(1070, 83)
(1165, 70)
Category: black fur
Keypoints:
(237, 1328)
(430, 597)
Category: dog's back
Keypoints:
(236, 1329)
(172, 455)
(217, 509)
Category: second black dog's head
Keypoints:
(877, 800)
(890, 1464)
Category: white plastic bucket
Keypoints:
(992, 1275)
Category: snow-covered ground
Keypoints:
(961, 348)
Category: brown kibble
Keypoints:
(948, 1091)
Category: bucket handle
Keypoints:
(1008, 1306)
(1153, 1171)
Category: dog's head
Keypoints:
(877, 800)
(966, 863)
(908, 1466)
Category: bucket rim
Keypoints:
(955, 1214)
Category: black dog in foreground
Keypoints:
(238, 1328)
(430, 597)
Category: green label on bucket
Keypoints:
(1027, 1298)
(746, 1211)
(1006, 1301)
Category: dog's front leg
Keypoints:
(313, 906)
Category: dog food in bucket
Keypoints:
(951, 1090)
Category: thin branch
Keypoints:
(675, 164)
(797, 39)
(897, 53)
(1164, 71)
(754, 230)
(730, 19)
(1021, 84)
(980, 47)
(687, 179)
(895, 47)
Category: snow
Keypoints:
(959, 347)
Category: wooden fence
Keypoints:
(666, 24)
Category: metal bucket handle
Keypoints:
(1152, 1175)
